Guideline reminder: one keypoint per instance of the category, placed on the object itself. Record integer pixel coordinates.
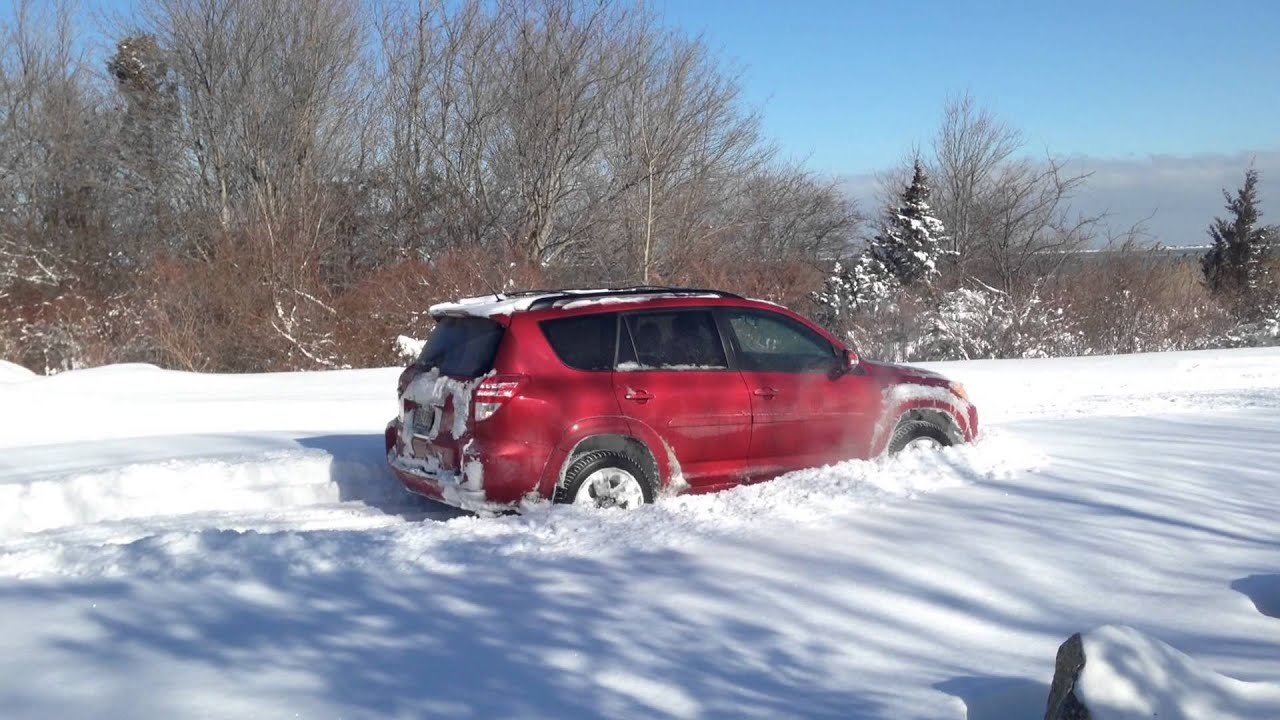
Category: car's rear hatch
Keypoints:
(437, 393)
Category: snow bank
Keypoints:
(1150, 383)
(14, 373)
(280, 480)
(1131, 676)
(136, 401)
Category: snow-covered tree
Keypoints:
(864, 285)
(873, 300)
(983, 322)
(911, 240)
(904, 253)
(1235, 264)
(1261, 329)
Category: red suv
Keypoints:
(612, 397)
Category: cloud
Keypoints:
(1181, 193)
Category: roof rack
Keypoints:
(551, 297)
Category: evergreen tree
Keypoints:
(1235, 264)
(910, 242)
(865, 285)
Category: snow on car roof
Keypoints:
(484, 306)
(615, 299)
(500, 304)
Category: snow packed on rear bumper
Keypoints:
(491, 476)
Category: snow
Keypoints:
(13, 373)
(898, 396)
(184, 545)
(1132, 676)
(432, 390)
(209, 473)
(1134, 385)
(622, 299)
(632, 366)
(498, 304)
(409, 348)
(485, 306)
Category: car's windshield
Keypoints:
(462, 346)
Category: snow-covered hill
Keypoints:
(181, 545)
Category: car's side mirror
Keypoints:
(847, 363)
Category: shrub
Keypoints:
(982, 322)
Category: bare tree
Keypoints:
(268, 92)
(557, 132)
(1027, 223)
(970, 148)
(49, 161)
(441, 100)
(791, 213)
(676, 126)
(1009, 217)
(60, 258)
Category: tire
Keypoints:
(916, 430)
(598, 463)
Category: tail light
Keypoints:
(407, 376)
(494, 392)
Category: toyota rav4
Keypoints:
(613, 397)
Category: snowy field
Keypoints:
(176, 545)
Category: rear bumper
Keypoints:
(492, 477)
(448, 488)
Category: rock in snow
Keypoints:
(1118, 673)
(1064, 704)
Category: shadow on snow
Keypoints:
(1263, 590)
(359, 469)
(998, 698)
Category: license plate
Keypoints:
(435, 457)
(423, 417)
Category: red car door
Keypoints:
(674, 379)
(807, 408)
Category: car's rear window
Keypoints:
(462, 346)
(584, 342)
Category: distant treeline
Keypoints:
(267, 184)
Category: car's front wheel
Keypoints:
(606, 478)
(917, 435)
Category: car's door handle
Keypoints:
(639, 396)
(766, 392)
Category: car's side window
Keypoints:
(583, 342)
(671, 340)
(770, 342)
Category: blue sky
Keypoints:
(852, 85)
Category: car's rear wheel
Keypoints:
(606, 478)
(917, 435)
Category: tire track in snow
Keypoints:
(808, 497)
